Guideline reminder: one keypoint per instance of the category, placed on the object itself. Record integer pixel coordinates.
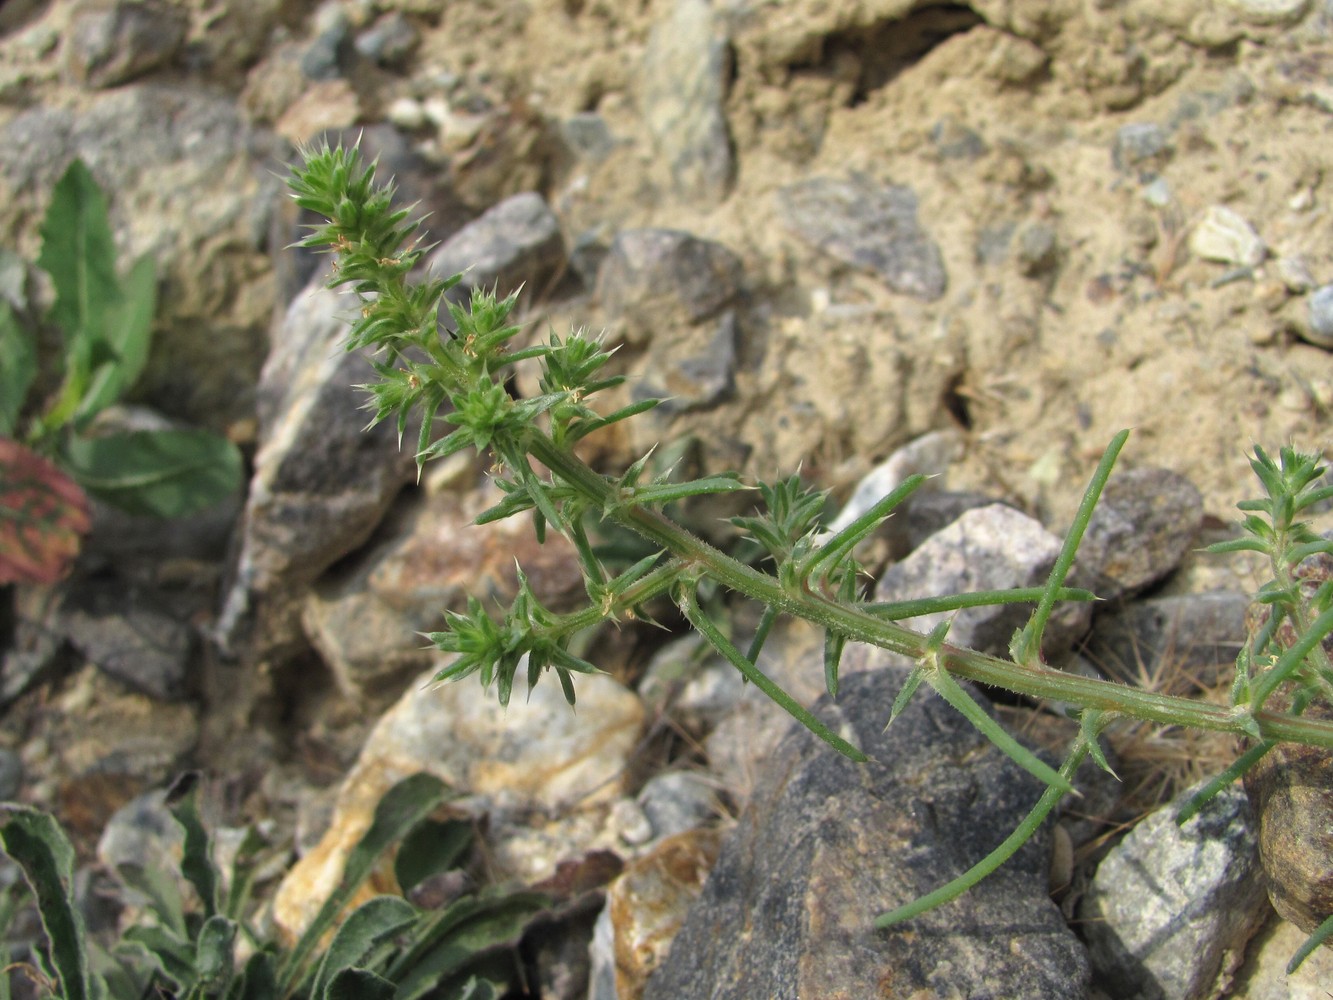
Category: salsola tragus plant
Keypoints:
(207, 946)
(459, 377)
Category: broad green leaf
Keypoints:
(161, 473)
(402, 807)
(37, 844)
(361, 935)
(80, 255)
(127, 335)
(359, 984)
(431, 849)
(461, 935)
(18, 367)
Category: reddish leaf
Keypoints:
(43, 516)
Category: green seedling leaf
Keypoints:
(1021, 835)
(128, 334)
(841, 544)
(432, 848)
(43, 517)
(1091, 722)
(1321, 934)
(159, 473)
(79, 253)
(361, 936)
(38, 846)
(402, 807)
(18, 367)
(909, 688)
(704, 625)
(196, 864)
(1228, 777)
(664, 493)
(1026, 647)
(359, 984)
(952, 692)
(896, 610)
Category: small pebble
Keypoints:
(1225, 237)
(1294, 271)
(630, 823)
(1269, 11)
(1301, 201)
(407, 113)
(1157, 192)
(1138, 142)
(1320, 330)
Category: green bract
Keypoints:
(812, 576)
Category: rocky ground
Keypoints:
(825, 230)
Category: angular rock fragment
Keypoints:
(869, 225)
(826, 845)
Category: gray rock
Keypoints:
(390, 41)
(993, 243)
(111, 45)
(869, 225)
(588, 136)
(192, 185)
(927, 512)
(1171, 907)
(928, 455)
(1038, 249)
(1140, 143)
(516, 243)
(1320, 328)
(130, 635)
(678, 801)
(656, 279)
(36, 649)
(1145, 523)
(826, 845)
(142, 833)
(696, 373)
(322, 482)
(987, 548)
(1193, 637)
(955, 141)
(683, 87)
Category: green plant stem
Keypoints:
(952, 890)
(1033, 680)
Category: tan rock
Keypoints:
(544, 774)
